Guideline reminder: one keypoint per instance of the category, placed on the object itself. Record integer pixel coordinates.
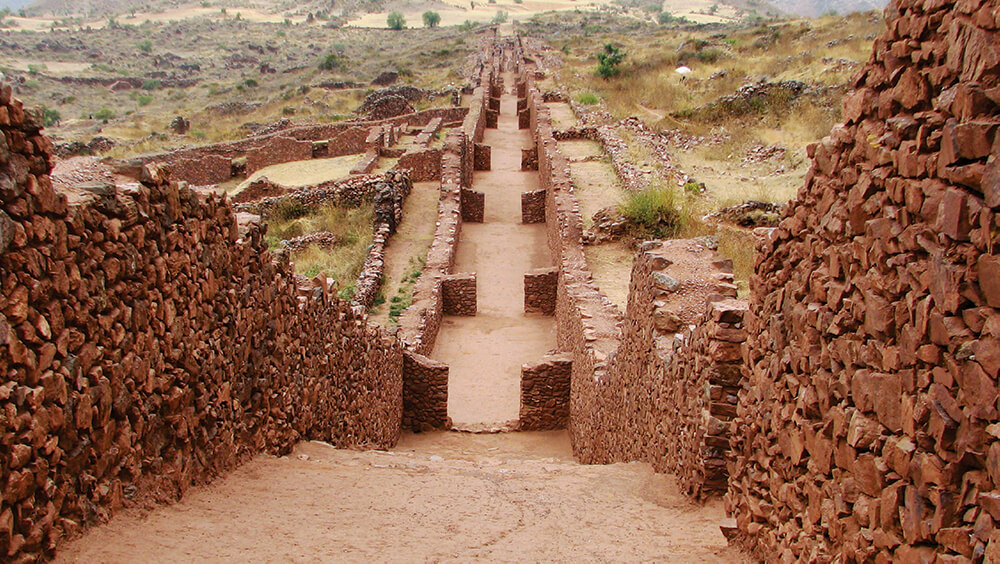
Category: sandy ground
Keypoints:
(485, 352)
(412, 239)
(306, 173)
(562, 115)
(440, 497)
(611, 265)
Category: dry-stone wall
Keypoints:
(867, 430)
(146, 345)
(545, 386)
(425, 392)
(540, 289)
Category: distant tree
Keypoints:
(609, 60)
(49, 116)
(431, 19)
(500, 18)
(395, 20)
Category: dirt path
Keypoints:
(440, 497)
(412, 239)
(485, 352)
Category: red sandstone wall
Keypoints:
(867, 429)
(147, 346)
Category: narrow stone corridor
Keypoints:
(485, 352)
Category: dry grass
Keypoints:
(351, 226)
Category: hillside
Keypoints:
(814, 8)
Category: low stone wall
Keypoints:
(482, 159)
(533, 206)
(425, 393)
(155, 347)
(473, 205)
(206, 169)
(427, 134)
(529, 159)
(540, 289)
(278, 150)
(367, 163)
(348, 192)
(424, 165)
(458, 294)
(545, 389)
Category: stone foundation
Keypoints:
(529, 159)
(482, 160)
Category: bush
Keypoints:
(587, 98)
(500, 18)
(144, 99)
(49, 116)
(666, 18)
(35, 69)
(251, 83)
(609, 60)
(287, 209)
(152, 84)
(395, 20)
(145, 46)
(468, 25)
(329, 62)
(104, 114)
(431, 19)
(653, 211)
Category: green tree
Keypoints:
(609, 60)
(395, 20)
(329, 62)
(431, 19)
(49, 116)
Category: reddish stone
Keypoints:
(988, 271)
(953, 217)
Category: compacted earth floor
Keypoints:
(438, 497)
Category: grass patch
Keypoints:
(404, 294)
(351, 226)
(653, 212)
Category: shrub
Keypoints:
(251, 83)
(35, 69)
(500, 18)
(666, 18)
(104, 114)
(329, 62)
(144, 99)
(467, 25)
(145, 46)
(653, 211)
(49, 116)
(152, 84)
(395, 20)
(287, 209)
(609, 60)
(431, 19)
(587, 98)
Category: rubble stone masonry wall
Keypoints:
(867, 428)
(146, 346)
(545, 386)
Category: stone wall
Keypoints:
(533, 206)
(644, 386)
(146, 346)
(203, 165)
(473, 205)
(278, 150)
(867, 428)
(458, 294)
(545, 392)
(540, 289)
(350, 192)
(482, 159)
(529, 159)
(424, 165)
(425, 393)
